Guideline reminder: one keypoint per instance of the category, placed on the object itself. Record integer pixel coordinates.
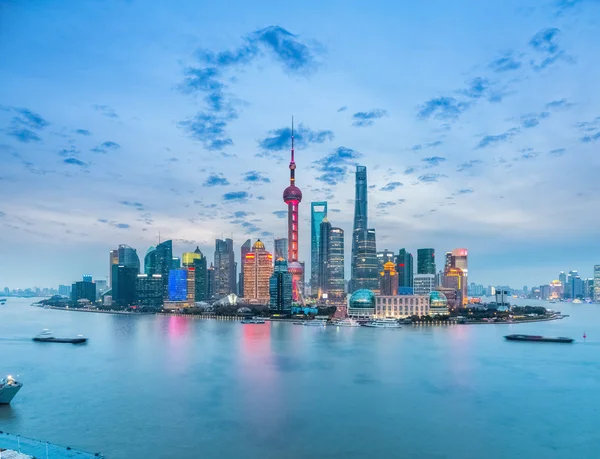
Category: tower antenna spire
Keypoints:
(292, 138)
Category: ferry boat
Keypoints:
(8, 389)
(47, 337)
(315, 323)
(346, 323)
(539, 339)
(383, 323)
(252, 321)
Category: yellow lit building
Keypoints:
(388, 279)
(258, 268)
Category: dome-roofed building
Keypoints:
(438, 303)
(361, 304)
(257, 270)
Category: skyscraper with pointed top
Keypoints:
(292, 197)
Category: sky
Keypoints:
(479, 124)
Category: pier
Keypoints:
(18, 447)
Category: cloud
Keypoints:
(215, 180)
(363, 119)
(24, 135)
(280, 213)
(468, 165)
(410, 170)
(391, 186)
(236, 196)
(334, 166)
(242, 214)
(281, 139)
(287, 48)
(25, 125)
(255, 176)
(29, 119)
(434, 144)
(478, 87)
(561, 104)
(591, 138)
(105, 110)
(83, 132)
(545, 43)
(385, 205)
(464, 191)
(493, 140)
(429, 178)
(505, 63)
(342, 109)
(137, 205)
(209, 129)
(105, 147)
(2, 214)
(558, 152)
(74, 162)
(533, 119)
(443, 108)
(433, 161)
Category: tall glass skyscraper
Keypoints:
(335, 266)
(113, 260)
(318, 211)
(164, 260)
(280, 287)
(323, 272)
(244, 249)
(225, 268)
(404, 268)
(281, 248)
(150, 261)
(425, 261)
(124, 284)
(201, 277)
(128, 257)
(364, 248)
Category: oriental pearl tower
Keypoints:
(292, 197)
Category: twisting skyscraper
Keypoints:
(292, 197)
(364, 250)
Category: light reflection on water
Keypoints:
(178, 387)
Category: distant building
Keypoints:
(597, 283)
(280, 287)
(388, 280)
(452, 295)
(503, 297)
(128, 257)
(200, 277)
(556, 290)
(175, 263)
(323, 271)
(318, 212)
(164, 261)
(210, 282)
(124, 285)
(384, 257)
(336, 293)
(150, 264)
(63, 290)
(101, 287)
(258, 267)
(113, 260)
(426, 261)
(244, 249)
(281, 248)
(423, 284)
(404, 268)
(83, 290)
(178, 280)
(148, 291)
(401, 306)
(225, 268)
(87, 278)
(562, 278)
(361, 304)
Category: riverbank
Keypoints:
(101, 311)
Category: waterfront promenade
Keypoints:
(39, 449)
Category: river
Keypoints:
(173, 387)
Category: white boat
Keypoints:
(315, 323)
(383, 323)
(346, 323)
(8, 389)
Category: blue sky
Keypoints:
(479, 124)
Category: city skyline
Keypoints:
(189, 141)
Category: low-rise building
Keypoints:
(401, 306)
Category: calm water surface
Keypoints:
(168, 387)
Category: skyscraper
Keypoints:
(83, 290)
(164, 260)
(336, 292)
(258, 267)
(113, 260)
(200, 277)
(128, 257)
(459, 261)
(364, 249)
(210, 282)
(318, 211)
(281, 248)
(388, 280)
(148, 291)
(175, 263)
(384, 257)
(280, 287)
(225, 281)
(323, 273)
(178, 282)
(244, 249)
(292, 197)
(596, 282)
(404, 267)
(426, 261)
(150, 261)
(124, 285)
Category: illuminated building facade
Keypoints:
(164, 259)
(457, 266)
(318, 212)
(426, 261)
(148, 291)
(292, 196)
(401, 306)
(258, 268)
(404, 268)
(280, 287)
(384, 257)
(225, 282)
(423, 284)
(323, 272)
(388, 280)
(244, 249)
(113, 260)
(556, 290)
(336, 293)
(178, 279)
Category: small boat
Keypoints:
(252, 321)
(383, 323)
(8, 389)
(539, 339)
(346, 323)
(47, 337)
(298, 322)
(315, 323)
